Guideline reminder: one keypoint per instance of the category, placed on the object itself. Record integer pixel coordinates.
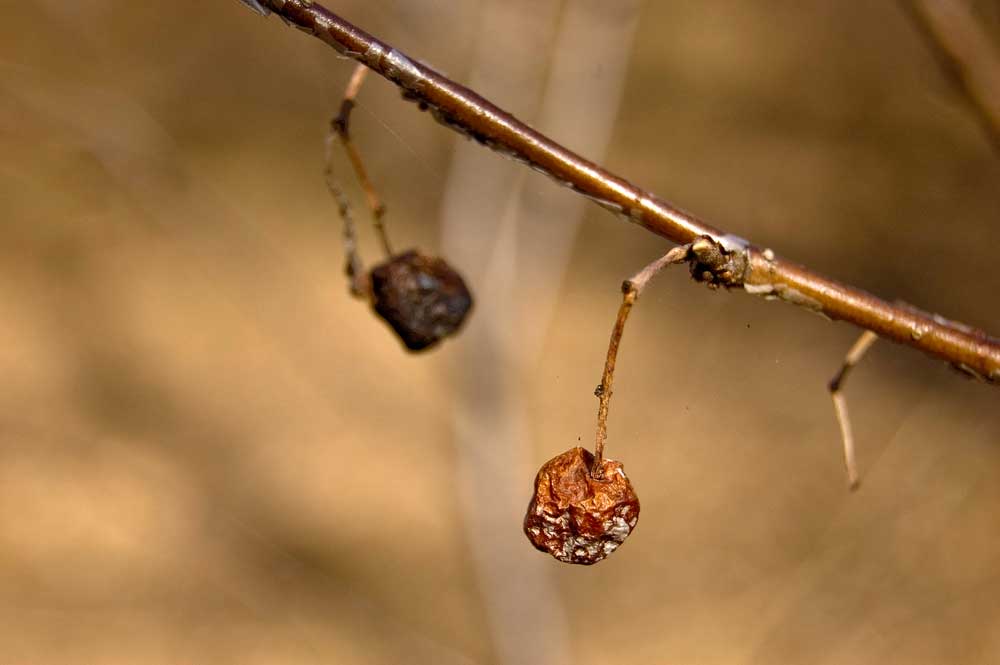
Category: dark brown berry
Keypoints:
(576, 518)
(421, 297)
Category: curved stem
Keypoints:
(631, 288)
(603, 391)
(342, 126)
(836, 387)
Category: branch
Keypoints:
(966, 53)
(726, 260)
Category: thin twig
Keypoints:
(734, 262)
(836, 387)
(342, 126)
(631, 289)
(965, 52)
(354, 267)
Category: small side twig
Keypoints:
(354, 267)
(631, 289)
(836, 387)
(341, 127)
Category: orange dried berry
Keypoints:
(421, 297)
(575, 517)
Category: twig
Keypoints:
(342, 126)
(728, 260)
(853, 357)
(631, 290)
(965, 52)
(354, 267)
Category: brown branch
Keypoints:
(965, 52)
(724, 260)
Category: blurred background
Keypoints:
(210, 453)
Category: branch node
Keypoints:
(715, 265)
(342, 120)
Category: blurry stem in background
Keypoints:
(731, 261)
(965, 52)
(354, 268)
(340, 126)
(514, 234)
(631, 290)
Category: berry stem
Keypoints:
(340, 127)
(631, 289)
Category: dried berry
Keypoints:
(421, 297)
(575, 517)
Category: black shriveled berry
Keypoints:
(421, 297)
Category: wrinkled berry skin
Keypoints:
(421, 297)
(576, 518)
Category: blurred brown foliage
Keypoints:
(210, 454)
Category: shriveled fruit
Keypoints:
(575, 517)
(421, 297)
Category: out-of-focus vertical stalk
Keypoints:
(516, 266)
(962, 45)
